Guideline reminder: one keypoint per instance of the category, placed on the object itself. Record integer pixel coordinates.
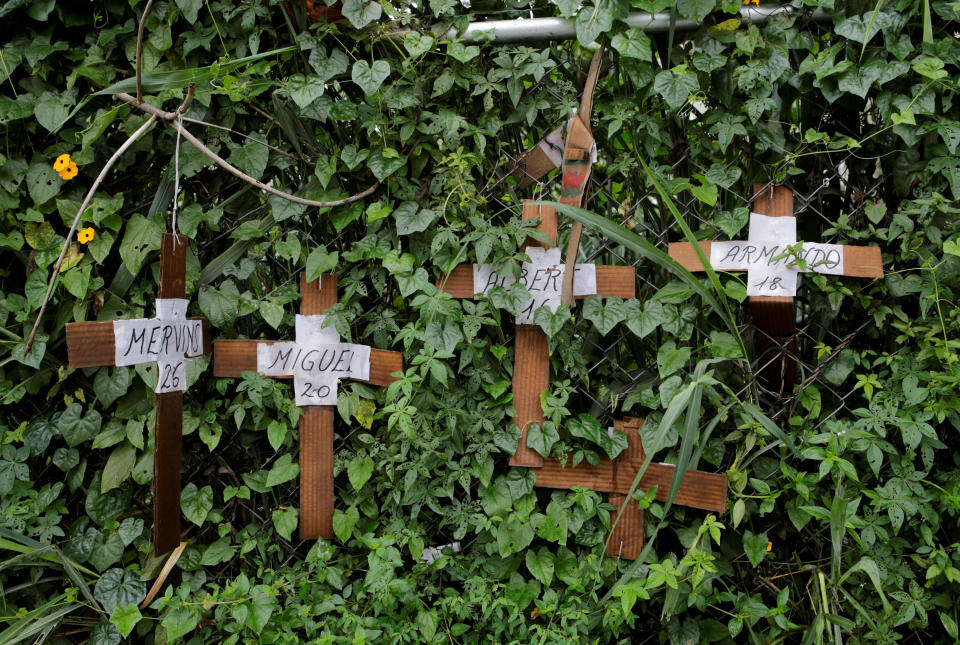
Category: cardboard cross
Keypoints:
(168, 340)
(315, 361)
(707, 491)
(769, 257)
(531, 365)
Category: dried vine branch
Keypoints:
(76, 220)
(170, 119)
(139, 62)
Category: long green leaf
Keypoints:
(180, 78)
(667, 200)
(769, 426)
(645, 249)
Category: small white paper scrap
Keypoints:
(552, 146)
(431, 553)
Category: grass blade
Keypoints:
(180, 78)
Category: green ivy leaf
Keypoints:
(119, 587)
(540, 564)
(755, 546)
(670, 358)
(633, 43)
(52, 110)
(304, 90)
(196, 503)
(320, 262)
(283, 470)
(370, 77)
(250, 158)
(343, 522)
(181, 620)
(43, 182)
(359, 471)
(119, 466)
(418, 44)
(110, 384)
(605, 315)
(220, 306)
(413, 219)
(140, 237)
(125, 618)
(77, 428)
(695, 10)
(675, 86)
(285, 521)
(361, 13)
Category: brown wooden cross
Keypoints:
(771, 281)
(166, 340)
(707, 491)
(315, 361)
(531, 364)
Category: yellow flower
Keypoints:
(769, 544)
(62, 162)
(756, 2)
(70, 171)
(85, 235)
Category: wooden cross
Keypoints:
(167, 340)
(772, 275)
(315, 361)
(531, 365)
(707, 491)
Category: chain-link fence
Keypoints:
(619, 365)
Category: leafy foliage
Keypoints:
(844, 498)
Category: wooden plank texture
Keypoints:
(707, 491)
(168, 436)
(316, 430)
(774, 317)
(531, 363)
(233, 357)
(167, 457)
(858, 261)
(91, 343)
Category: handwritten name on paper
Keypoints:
(167, 340)
(316, 361)
(542, 277)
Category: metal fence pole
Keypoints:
(528, 30)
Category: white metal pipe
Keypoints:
(526, 30)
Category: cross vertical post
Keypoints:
(315, 361)
(531, 365)
(167, 340)
(771, 257)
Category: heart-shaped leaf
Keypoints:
(368, 77)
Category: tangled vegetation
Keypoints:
(844, 496)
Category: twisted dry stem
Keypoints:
(76, 220)
(170, 119)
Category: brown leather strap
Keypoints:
(577, 150)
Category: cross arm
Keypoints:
(91, 343)
(612, 280)
(234, 357)
(858, 261)
(707, 491)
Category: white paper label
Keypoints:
(316, 361)
(144, 340)
(171, 375)
(166, 339)
(552, 146)
(542, 277)
(772, 257)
